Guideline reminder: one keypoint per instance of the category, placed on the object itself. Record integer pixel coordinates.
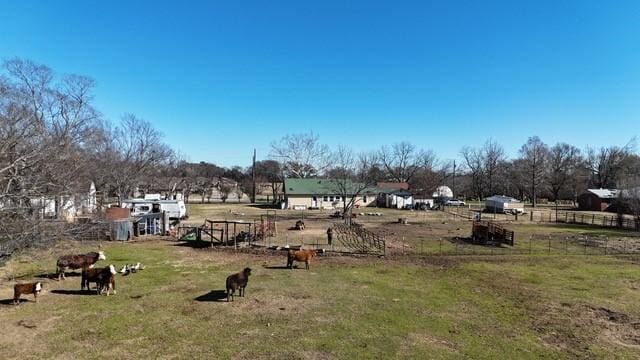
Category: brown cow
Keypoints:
(74, 262)
(301, 256)
(104, 279)
(27, 288)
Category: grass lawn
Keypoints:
(509, 307)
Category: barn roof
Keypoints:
(605, 193)
(502, 198)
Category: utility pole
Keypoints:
(253, 178)
(453, 185)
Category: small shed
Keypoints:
(395, 198)
(503, 204)
(121, 229)
(150, 224)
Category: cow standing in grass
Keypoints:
(27, 288)
(75, 262)
(301, 256)
(104, 279)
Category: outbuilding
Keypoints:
(597, 199)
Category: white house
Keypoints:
(303, 194)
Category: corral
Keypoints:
(541, 298)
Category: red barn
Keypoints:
(597, 199)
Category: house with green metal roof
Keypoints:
(303, 194)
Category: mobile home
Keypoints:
(175, 209)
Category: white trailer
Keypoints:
(175, 209)
(503, 204)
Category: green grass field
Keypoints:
(508, 307)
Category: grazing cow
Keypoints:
(26, 288)
(74, 262)
(237, 281)
(104, 278)
(301, 256)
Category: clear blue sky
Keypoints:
(220, 78)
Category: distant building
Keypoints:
(395, 198)
(597, 199)
(392, 185)
(503, 204)
(303, 194)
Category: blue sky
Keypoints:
(439, 74)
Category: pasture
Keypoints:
(473, 306)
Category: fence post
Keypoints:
(586, 239)
(566, 245)
(530, 240)
(606, 244)
(549, 251)
(440, 246)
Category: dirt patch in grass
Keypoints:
(430, 341)
(571, 327)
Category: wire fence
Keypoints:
(627, 222)
(532, 245)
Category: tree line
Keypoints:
(54, 142)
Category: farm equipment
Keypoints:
(491, 232)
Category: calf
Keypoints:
(104, 278)
(237, 281)
(301, 256)
(299, 225)
(107, 280)
(26, 288)
(77, 262)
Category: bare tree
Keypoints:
(351, 177)
(534, 154)
(563, 161)
(474, 162)
(138, 150)
(302, 155)
(45, 128)
(607, 163)
(270, 171)
(403, 161)
(225, 191)
(494, 157)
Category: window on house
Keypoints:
(331, 198)
(364, 199)
(338, 198)
(325, 198)
(315, 198)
